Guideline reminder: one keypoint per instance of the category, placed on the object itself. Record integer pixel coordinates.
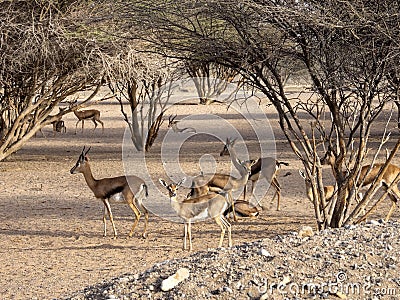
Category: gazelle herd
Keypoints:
(211, 195)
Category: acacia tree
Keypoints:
(210, 79)
(143, 81)
(44, 59)
(346, 49)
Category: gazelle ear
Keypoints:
(163, 182)
(181, 182)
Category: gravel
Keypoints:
(355, 262)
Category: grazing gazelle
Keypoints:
(265, 167)
(329, 190)
(174, 125)
(244, 209)
(368, 174)
(115, 190)
(88, 114)
(199, 208)
(217, 182)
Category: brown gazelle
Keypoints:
(265, 167)
(88, 114)
(115, 190)
(174, 125)
(199, 208)
(329, 190)
(368, 174)
(217, 182)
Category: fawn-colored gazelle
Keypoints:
(199, 208)
(130, 190)
(87, 114)
(218, 182)
(367, 176)
(265, 167)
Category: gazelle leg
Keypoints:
(76, 126)
(229, 227)
(392, 208)
(107, 204)
(185, 236)
(95, 124)
(277, 188)
(190, 235)
(83, 124)
(105, 220)
(252, 188)
(218, 220)
(137, 216)
(244, 191)
(102, 125)
(146, 220)
(233, 205)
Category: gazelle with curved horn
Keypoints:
(87, 114)
(115, 190)
(218, 182)
(265, 167)
(174, 125)
(206, 206)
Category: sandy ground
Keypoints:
(51, 229)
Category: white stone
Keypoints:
(173, 280)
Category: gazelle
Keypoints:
(217, 182)
(368, 174)
(174, 125)
(329, 190)
(265, 167)
(244, 209)
(88, 114)
(130, 190)
(58, 124)
(198, 208)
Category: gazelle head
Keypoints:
(171, 121)
(173, 187)
(81, 162)
(228, 145)
(247, 164)
(329, 157)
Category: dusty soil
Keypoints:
(51, 228)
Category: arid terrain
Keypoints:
(51, 228)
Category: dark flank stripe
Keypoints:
(114, 191)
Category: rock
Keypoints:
(306, 231)
(173, 280)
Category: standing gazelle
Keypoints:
(199, 208)
(115, 190)
(88, 114)
(265, 167)
(217, 182)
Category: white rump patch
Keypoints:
(117, 198)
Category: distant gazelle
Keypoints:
(199, 208)
(88, 114)
(174, 125)
(265, 167)
(115, 190)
